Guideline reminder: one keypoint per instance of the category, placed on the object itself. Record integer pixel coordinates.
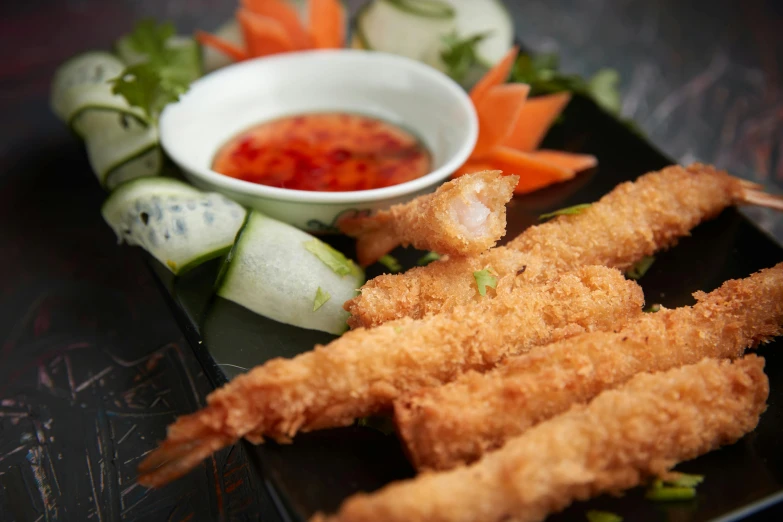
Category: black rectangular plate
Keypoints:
(319, 470)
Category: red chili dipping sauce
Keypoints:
(324, 152)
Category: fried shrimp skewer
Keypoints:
(463, 217)
(457, 423)
(634, 220)
(622, 437)
(363, 371)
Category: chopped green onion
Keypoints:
(428, 258)
(638, 270)
(684, 480)
(670, 493)
(321, 296)
(603, 516)
(391, 263)
(483, 280)
(652, 309)
(568, 211)
(336, 261)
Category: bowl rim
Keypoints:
(257, 190)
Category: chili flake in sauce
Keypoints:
(331, 152)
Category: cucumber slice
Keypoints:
(190, 57)
(179, 225)
(82, 83)
(416, 29)
(118, 147)
(393, 26)
(271, 272)
(485, 16)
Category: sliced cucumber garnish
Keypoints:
(428, 8)
(179, 225)
(119, 148)
(82, 83)
(384, 26)
(417, 28)
(276, 270)
(488, 17)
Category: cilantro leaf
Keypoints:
(391, 263)
(428, 258)
(542, 73)
(150, 38)
(459, 54)
(567, 211)
(321, 297)
(335, 260)
(638, 270)
(483, 280)
(653, 308)
(163, 72)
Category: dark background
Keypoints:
(92, 365)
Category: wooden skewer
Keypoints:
(762, 199)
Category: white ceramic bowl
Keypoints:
(399, 90)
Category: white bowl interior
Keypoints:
(398, 90)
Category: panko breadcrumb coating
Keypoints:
(634, 220)
(363, 371)
(465, 216)
(622, 437)
(457, 423)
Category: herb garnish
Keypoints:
(428, 258)
(542, 74)
(163, 76)
(321, 297)
(391, 263)
(653, 308)
(603, 516)
(335, 260)
(568, 211)
(681, 487)
(483, 280)
(460, 54)
(640, 268)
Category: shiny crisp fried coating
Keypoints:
(458, 422)
(465, 216)
(363, 371)
(634, 220)
(622, 437)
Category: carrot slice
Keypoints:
(566, 160)
(498, 112)
(327, 24)
(533, 172)
(286, 14)
(495, 76)
(263, 35)
(534, 120)
(224, 46)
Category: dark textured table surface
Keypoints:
(92, 365)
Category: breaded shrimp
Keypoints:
(463, 217)
(457, 423)
(632, 221)
(363, 371)
(622, 437)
